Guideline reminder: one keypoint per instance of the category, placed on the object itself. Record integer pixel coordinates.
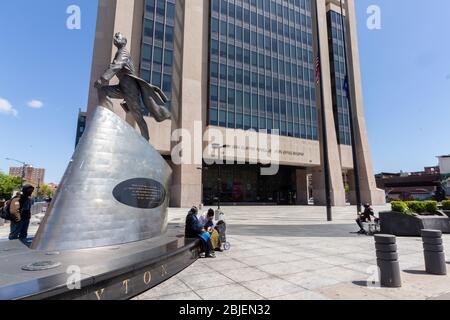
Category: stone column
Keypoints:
(351, 185)
(369, 191)
(302, 187)
(336, 182)
(190, 96)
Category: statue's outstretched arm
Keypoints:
(113, 69)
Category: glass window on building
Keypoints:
(158, 44)
(338, 78)
(261, 50)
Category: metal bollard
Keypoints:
(434, 252)
(387, 261)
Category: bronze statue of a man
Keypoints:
(133, 90)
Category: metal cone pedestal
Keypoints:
(107, 226)
(115, 190)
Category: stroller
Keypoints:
(221, 227)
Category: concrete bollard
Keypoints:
(434, 252)
(387, 261)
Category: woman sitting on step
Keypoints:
(195, 230)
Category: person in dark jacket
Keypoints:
(21, 215)
(366, 216)
(194, 229)
(215, 235)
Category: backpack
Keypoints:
(5, 212)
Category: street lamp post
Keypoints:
(326, 159)
(217, 146)
(352, 112)
(24, 166)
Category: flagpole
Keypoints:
(326, 160)
(351, 113)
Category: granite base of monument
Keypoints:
(106, 233)
(110, 273)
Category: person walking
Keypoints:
(20, 210)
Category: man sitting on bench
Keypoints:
(365, 217)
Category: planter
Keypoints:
(404, 225)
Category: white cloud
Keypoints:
(35, 104)
(6, 108)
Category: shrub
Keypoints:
(417, 206)
(446, 205)
(399, 206)
(431, 207)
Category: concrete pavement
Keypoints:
(292, 253)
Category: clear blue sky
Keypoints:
(405, 69)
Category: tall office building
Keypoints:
(248, 66)
(29, 173)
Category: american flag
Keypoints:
(318, 70)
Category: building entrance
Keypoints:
(244, 184)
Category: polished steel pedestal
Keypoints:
(115, 190)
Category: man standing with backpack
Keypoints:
(20, 214)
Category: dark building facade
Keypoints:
(262, 72)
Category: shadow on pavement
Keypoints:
(310, 231)
(416, 272)
(364, 284)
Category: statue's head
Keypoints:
(119, 40)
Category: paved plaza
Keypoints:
(291, 253)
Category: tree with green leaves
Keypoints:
(45, 191)
(8, 185)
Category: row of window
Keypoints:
(276, 28)
(257, 83)
(162, 8)
(303, 130)
(158, 30)
(238, 99)
(261, 64)
(275, 8)
(157, 47)
(258, 63)
(266, 44)
(337, 58)
(262, 67)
